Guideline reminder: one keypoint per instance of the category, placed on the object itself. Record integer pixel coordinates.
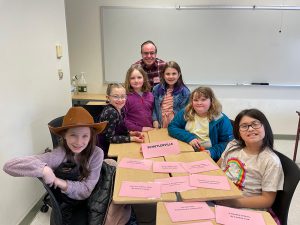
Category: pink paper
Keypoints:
(140, 189)
(232, 216)
(140, 164)
(200, 166)
(186, 211)
(168, 167)
(199, 223)
(207, 181)
(162, 148)
(174, 184)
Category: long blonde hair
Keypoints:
(146, 85)
(215, 107)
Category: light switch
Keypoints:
(60, 74)
(58, 51)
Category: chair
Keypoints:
(297, 139)
(283, 198)
(57, 122)
(96, 212)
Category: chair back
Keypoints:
(283, 198)
(56, 216)
(57, 122)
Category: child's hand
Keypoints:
(48, 176)
(137, 139)
(135, 133)
(155, 124)
(195, 143)
(62, 184)
(147, 128)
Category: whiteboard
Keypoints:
(214, 47)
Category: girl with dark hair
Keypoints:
(170, 95)
(250, 162)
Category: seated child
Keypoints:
(77, 153)
(202, 124)
(250, 162)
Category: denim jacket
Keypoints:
(180, 100)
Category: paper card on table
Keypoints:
(140, 164)
(207, 181)
(162, 148)
(174, 184)
(199, 223)
(200, 166)
(232, 216)
(140, 189)
(186, 211)
(168, 167)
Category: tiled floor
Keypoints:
(285, 147)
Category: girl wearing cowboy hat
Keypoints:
(78, 132)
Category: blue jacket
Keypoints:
(180, 100)
(220, 132)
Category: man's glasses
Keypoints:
(255, 125)
(148, 53)
(116, 97)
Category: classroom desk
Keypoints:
(125, 174)
(133, 147)
(162, 135)
(83, 97)
(96, 103)
(203, 194)
(163, 218)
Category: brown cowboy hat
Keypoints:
(78, 117)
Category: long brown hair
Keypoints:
(215, 107)
(84, 155)
(146, 86)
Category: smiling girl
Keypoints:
(78, 132)
(139, 104)
(202, 124)
(116, 131)
(251, 154)
(170, 95)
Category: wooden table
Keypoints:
(96, 103)
(133, 147)
(163, 218)
(82, 98)
(162, 135)
(125, 174)
(203, 194)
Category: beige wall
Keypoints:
(31, 93)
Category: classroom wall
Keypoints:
(31, 93)
(84, 37)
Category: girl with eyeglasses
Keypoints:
(116, 131)
(202, 124)
(170, 96)
(139, 104)
(250, 162)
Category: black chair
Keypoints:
(283, 198)
(96, 212)
(57, 122)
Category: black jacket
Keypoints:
(101, 196)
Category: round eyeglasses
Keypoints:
(116, 97)
(255, 125)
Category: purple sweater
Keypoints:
(32, 166)
(138, 111)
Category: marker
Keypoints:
(260, 83)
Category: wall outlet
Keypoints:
(60, 74)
